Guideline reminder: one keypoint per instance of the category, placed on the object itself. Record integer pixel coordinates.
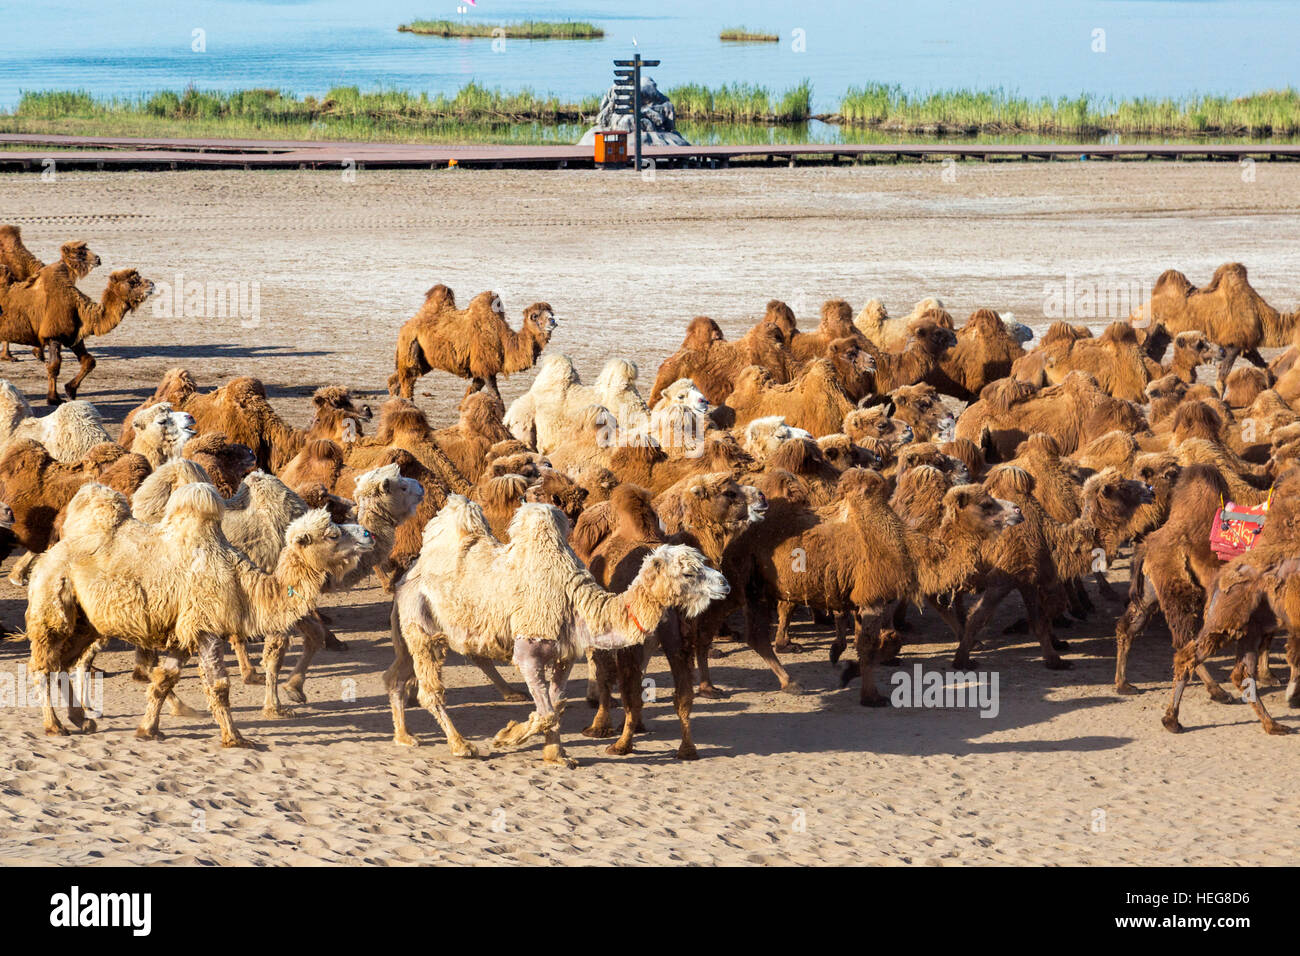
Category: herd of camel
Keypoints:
(819, 467)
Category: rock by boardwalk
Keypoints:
(658, 118)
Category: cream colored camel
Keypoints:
(176, 587)
(544, 415)
(531, 602)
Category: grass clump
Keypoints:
(743, 35)
(527, 30)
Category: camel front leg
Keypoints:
(87, 366)
(53, 362)
(313, 639)
(272, 656)
(994, 593)
(533, 657)
(5, 355)
(758, 636)
(164, 677)
(1250, 660)
(867, 639)
(216, 683)
(426, 655)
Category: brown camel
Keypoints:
(76, 259)
(984, 353)
(49, 312)
(240, 411)
(713, 363)
(1228, 310)
(474, 343)
(480, 427)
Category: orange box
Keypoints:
(611, 147)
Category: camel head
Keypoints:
(334, 406)
(928, 453)
(559, 490)
(922, 407)
(843, 453)
(678, 576)
(165, 428)
(717, 500)
(931, 337)
(973, 508)
(878, 422)
(386, 488)
(1202, 350)
(232, 459)
(6, 517)
(540, 317)
(78, 258)
(849, 355)
(757, 503)
(1244, 384)
(763, 436)
(129, 287)
(316, 542)
(1111, 500)
(683, 394)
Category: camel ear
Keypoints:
(303, 539)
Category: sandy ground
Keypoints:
(1065, 773)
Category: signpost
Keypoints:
(627, 94)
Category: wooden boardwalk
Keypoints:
(21, 151)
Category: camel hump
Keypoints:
(1119, 333)
(1005, 481)
(440, 297)
(1006, 393)
(1175, 280)
(861, 482)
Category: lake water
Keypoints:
(1034, 47)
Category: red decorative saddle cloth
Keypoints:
(1236, 527)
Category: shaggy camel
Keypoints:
(926, 347)
(1173, 570)
(468, 442)
(474, 343)
(858, 555)
(1228, 310)
(403, 425)
(986, 348)
(176, 587)
(38, 487)
(836, 323)
(613, 541)
(67, 433)
(1039, 555)
(713, 363)
(239, 410)
(1115, 359)
(534, 604)
(892, 334)
(546, 413)
(1075, 412)
(815, 401)
(17, 264)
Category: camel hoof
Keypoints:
(518, 697)
(295, 693)
(794, 689)
(709, 691)
(56, 731)
(240, 741)
(89, 727)
(1267, 680)
(687, 753)
(1060, 645)
(554, 756)
(715, 653)
(837, 651)
(877, 701)
(254, 678)
(275, 712)
(7, 358)
(1056, 664)
(1126, 690)
(1171, 724)
(617, 749)
(1277, 730)
(180, 709)
(790, 648)
(463, 749)
(961, 663)
(598, 732)
(142, 733)
(336, 645)
(140, 676)
(405, 740)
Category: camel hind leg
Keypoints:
(247, 672)
(602, 668)
(313, 639)
(87, 366)
(53, 362)
(490, 671)
(783, 643)
(216, 683)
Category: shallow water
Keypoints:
(1152, 47)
